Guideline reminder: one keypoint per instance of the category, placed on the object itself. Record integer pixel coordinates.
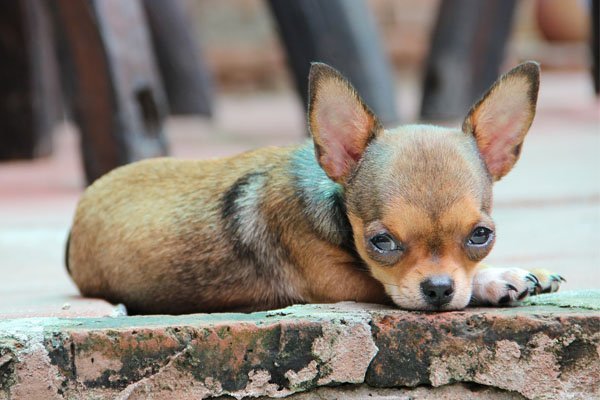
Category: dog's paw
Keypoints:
(503, 286)
(549, 281)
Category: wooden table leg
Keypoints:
(467, 49)
(341, 33)
(114, 88)
(595, 44)
(29, 91)
(184, 73)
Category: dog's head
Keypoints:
(419, 197)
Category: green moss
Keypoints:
(7, 364)
(583, 299)
(229, 357)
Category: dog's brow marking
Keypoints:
(465, 211)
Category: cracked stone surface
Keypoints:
(448, 392)
(545, 351)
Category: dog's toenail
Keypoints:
(511, 287)
(533, 279)
(523, 295)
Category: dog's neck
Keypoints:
(322, 199)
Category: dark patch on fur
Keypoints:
(256, 235)
(504, 299)
(532, 71)
(231, 218)
(322, 200)
(517, 149)
(67, 253)
(339, 215)
(435, 245)
(364, 195)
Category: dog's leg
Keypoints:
(507, 286)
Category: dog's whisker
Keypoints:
(390, 284)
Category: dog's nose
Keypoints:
(438, 290)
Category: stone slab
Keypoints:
(457, 391)
(535, 352)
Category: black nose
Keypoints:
(438, 290)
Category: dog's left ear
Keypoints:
(341, 124)
(501, 119)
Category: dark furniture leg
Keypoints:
(29, 93)
(185, 75)
(467, 49)
(595, 43)
(341, 33)
(114, 89)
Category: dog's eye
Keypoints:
(384, 243)
(480, 236)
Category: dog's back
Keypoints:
(248, 232)
(171, 231)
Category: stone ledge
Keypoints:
(537, 352)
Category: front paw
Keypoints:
(549, 281)
(508, 286)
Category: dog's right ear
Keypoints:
(341, 124)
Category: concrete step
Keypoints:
(545, 350)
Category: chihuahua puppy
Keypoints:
(359, 213)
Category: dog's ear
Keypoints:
(501, 119)
(340, 123)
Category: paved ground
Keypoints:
(547, 210)
(542, 352)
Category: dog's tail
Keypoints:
(67, 253)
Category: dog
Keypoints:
(358, 213)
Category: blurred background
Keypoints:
(86, 86)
